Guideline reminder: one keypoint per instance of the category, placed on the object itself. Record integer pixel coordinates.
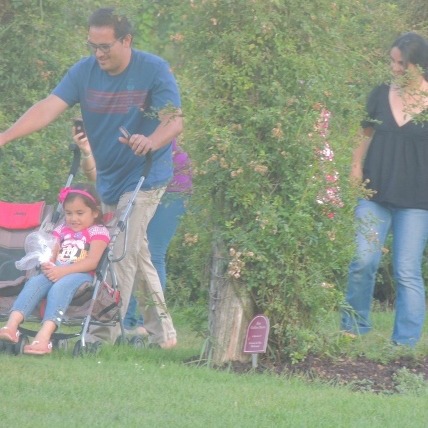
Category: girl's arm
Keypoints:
(88, 264)
(55, 251)
(359, 155)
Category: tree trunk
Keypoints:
(231, 309)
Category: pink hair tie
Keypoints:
(65, 191)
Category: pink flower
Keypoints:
(331, 194)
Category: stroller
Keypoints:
(95, 303)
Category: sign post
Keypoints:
(257, 337)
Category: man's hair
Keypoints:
(107, 17)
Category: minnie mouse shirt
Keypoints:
(74, 246)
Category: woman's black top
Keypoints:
(396, 162)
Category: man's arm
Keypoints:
(171, 126)
(36, 117)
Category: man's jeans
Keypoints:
(161, 230)
(136, 271)
(409, 228)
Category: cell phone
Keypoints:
(125, 132)
(78, 125)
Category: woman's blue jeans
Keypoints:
(58, 295)
(161, 230)
(409, 229)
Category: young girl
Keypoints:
(81, 241)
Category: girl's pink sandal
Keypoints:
(36, 348)
(9, 335)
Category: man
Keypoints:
(120, 86)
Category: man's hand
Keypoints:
(139, 144)
(3, 140)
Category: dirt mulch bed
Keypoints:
(360, 374)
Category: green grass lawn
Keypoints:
(126, 387)
(377, 344)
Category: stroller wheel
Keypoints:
(90, 348)
(7, 347)
(60, 344)
(120, 340)
(137, 342)
(77, 350)
(18, 348)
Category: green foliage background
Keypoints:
(39, 44)
(254, 77)
(261, 73)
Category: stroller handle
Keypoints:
(76, 159)
(121, 224)
(148, 164)
(73, 171)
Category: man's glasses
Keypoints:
(104, 47)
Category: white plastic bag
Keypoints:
(38, 248)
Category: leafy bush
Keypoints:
(257, 78)
(258, 81)
(40, 41)
(410, 383)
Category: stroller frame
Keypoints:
(106, 264)
(104, 268)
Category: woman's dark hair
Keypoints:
(107, 17)
(94, 204)
(414, 50)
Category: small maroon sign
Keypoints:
(257, 335)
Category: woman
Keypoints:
(393, 159)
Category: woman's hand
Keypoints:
(83, 143)
(359, 154)
(356, 174)
(88, 161)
